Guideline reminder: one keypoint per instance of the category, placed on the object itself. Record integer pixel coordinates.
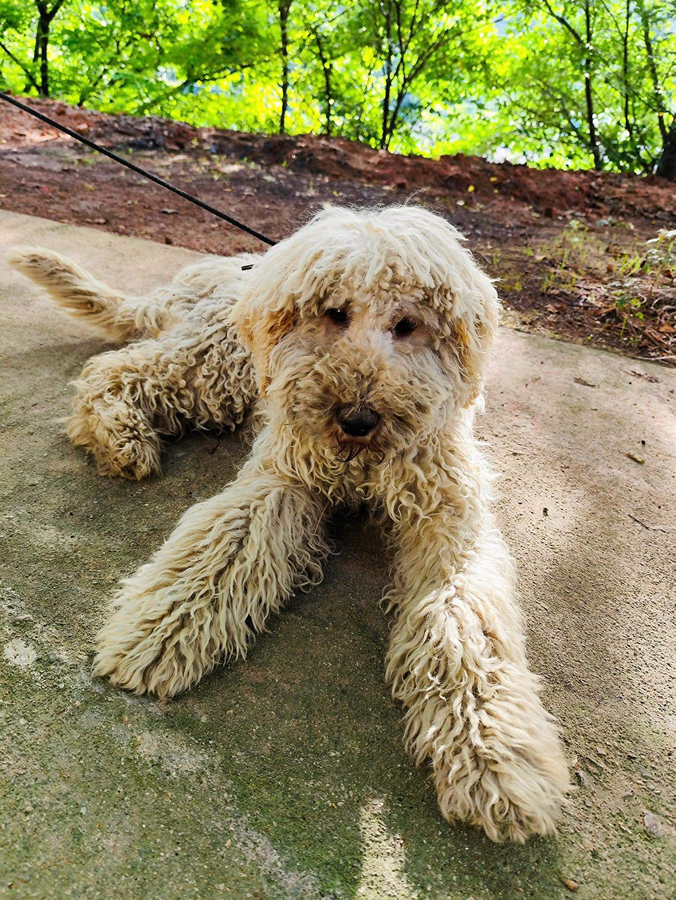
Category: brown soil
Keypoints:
(568, 247)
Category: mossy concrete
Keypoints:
(284, 776)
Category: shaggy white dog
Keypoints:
(361, 342)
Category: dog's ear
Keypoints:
(261, 323)
(471, 311)
(456, 288)
(281, 285)
(471, 340)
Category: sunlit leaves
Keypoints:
(505, 79)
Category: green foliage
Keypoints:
(553, 82)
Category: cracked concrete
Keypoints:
(284, 776)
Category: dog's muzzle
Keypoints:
(357, 423)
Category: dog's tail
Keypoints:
(79, 294)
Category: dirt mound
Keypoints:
(549, 191)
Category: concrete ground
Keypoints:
(284, 776)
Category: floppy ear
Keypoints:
(457, 289)
(285, 281)
(471, 309)
(261, 323)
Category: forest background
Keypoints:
(573, 84)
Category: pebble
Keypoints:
(654, 825)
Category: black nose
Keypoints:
(358, 422)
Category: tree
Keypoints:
(578, 21)
(283, 8)
(410, 39)
(660, 68)
(22, 16)
(559, 82)
(588, 81)
(328, 46)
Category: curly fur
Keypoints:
(218, 343)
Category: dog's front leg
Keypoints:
(457, 662)
(231, 562)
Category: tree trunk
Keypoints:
(41, 50)
(328, 90)
(589, 96)
(284, 8)
(625, 72)
(593, 139)
(36, 56)
(652, 68)
(666, 166)
(394, 115)
(388, 78)
(328, 87)
(43, 38)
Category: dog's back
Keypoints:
(122, 318)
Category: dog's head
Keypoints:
(368, 329)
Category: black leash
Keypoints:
(138, 170)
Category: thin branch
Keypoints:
(563, 21)
(21, 65)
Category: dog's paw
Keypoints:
(118, 438)
(134, 460)
(510, 799)
(160, 656)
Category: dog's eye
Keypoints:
(337, 316)
(405, 326)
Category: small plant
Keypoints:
(631, 264)
(570, 252)
(661, 252)
(628, 305)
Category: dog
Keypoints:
(358, 346)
